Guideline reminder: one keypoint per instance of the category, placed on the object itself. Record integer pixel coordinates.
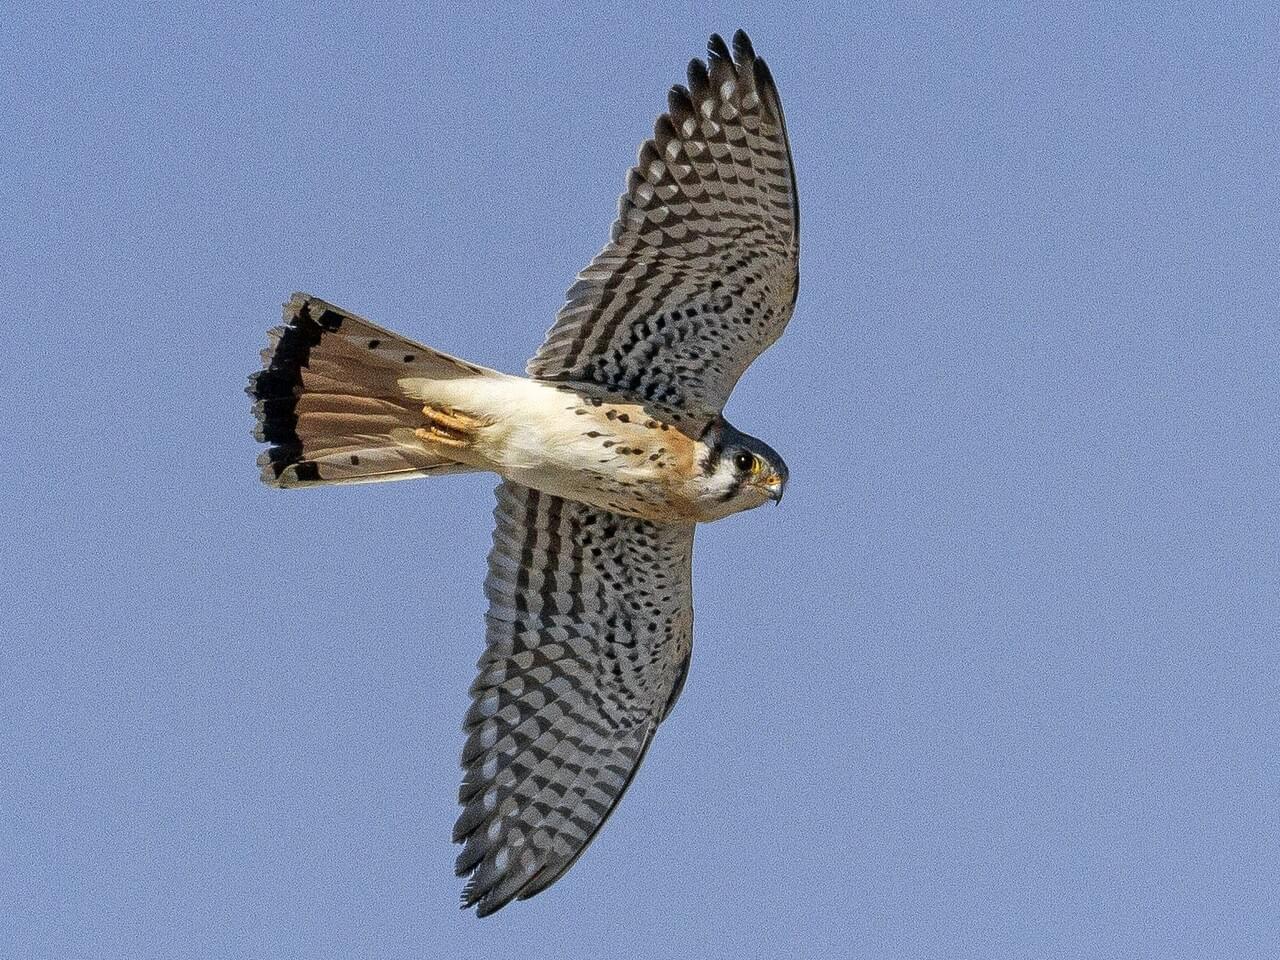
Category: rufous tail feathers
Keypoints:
(330, 404)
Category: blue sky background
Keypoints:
(999, 679)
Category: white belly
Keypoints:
(553, 439)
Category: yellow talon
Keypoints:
(448, 427)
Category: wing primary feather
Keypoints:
(545, 878)
(716, 48)
(698, 78)
(679, 102)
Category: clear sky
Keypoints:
(998, 679)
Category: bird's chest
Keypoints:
(612, 455)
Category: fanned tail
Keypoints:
(331, 405)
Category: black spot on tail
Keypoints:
(276, 388)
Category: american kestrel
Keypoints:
(610, 452)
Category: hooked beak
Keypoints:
(776, 486)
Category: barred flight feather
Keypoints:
(589, 634)
(701, 272)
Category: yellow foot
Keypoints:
(448, 427)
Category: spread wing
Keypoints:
(702, 270)
(589, 633)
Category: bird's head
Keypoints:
(738, 472)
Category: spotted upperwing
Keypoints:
(590, 619)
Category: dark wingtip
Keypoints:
(743, 52)
(679, 102)
(699, 79)
(716, 48)
(763, 78)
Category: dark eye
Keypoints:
(744, 461)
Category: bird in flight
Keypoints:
(610, 451)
